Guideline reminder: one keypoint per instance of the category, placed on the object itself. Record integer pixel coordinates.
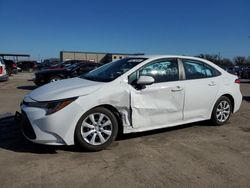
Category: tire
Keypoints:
(96, 129)
(222, 111)
(54, 78)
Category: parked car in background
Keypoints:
(43, 65)
(60, 65)
(27, 65)
(3, 73)
(65, 64)
(245, 73)
(234, 70)
(52, 75)
(11, 67)
(47, 63)
(19, 69)
(133, 94)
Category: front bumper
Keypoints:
(54, 129)
(26, 127)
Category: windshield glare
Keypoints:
(113, 70)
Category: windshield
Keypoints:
(113, 70)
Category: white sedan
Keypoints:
(134, 94)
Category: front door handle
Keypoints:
(177, 88)
(212, 84)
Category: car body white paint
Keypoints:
(3, 74)
(157, 106)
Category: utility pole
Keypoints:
(219, 56)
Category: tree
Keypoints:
(213, 58)
(240, 60)
(226, 62)
(248, 60)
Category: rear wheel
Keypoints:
(221, 111)
(96, 129)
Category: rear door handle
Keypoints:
(212, 84)
(177, 88)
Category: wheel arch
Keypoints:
(230, 97)
(114, 111)
(117, 115)
(53, 76)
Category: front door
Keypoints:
(159, 104)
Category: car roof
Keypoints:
(167, 56)
(155, 57)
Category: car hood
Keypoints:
(63, 89)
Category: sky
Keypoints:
(43, 28)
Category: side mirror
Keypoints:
(145, 80)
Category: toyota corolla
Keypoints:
(134, 94)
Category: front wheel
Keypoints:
(221, 111)
(54, 79)
(96, 129)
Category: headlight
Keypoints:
(51, 106)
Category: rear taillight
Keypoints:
(237, 81)
(14, 66)
(1, 69)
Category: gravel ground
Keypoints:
(193, 155)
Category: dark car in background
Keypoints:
(74, 70)
(245, 73)
(27, 65)
(235, 71)
(63, 64)
(11, 66)
(47, 63)
(43, 65)
(60, 65)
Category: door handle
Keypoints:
(212, 84)
(178, 88)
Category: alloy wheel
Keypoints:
(54, 79)
(96, 128)
(223, 111)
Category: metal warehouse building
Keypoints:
(98, 57)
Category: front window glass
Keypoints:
(162, 71)
(113, 70)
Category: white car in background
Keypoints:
(3, 73)
(134, 94)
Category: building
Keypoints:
(98, 57)
(14, 56)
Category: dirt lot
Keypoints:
(194, 155)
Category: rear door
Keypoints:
(161, 103)
(201, 88)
